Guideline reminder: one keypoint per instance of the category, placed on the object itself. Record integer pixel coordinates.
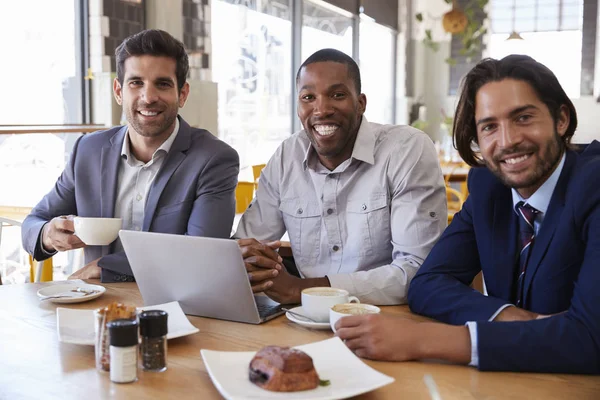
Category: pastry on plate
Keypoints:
(282, 369)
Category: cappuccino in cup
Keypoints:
(317, 301)
(344, 310)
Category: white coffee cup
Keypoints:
(97, 231)
(317, 301)
(345, 310)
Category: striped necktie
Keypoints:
(527, 215)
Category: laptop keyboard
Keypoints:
(267, 310)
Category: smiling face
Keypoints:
(149, 95)
(519, 140)
(330, 110)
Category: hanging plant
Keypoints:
(463, 24)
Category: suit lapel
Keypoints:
(174, 158)
(504, 251)
(551, 221)
(109, 167)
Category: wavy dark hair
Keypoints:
(153, 42)
(518, 67)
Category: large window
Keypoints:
(540, 22)
(324, 26)
(42, 85)
(252, 64)
(377, 71)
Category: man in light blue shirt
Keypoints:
(362, 203)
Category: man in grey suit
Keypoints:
(156, 173)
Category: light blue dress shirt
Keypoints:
(540, 200)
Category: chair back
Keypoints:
(256, 169)
(244, 193)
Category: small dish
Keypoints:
(77, 326)
(71, 292)
(305, 323)
(347, 374)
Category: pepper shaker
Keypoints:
(123, 350)
(153, 349)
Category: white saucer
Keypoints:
(306, 323)
(71, 297)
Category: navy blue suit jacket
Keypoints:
(563, 273)
(193, 193)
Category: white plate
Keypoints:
(347, 374)
(305, 323)
(77, 326)
(72, 297)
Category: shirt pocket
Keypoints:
(303, 223)
(368, 225)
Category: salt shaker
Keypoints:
(153, 330)
(123, 350)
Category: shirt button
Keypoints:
(299, 211)
(138, 197)
(329, 211)
(364, 207)
(335, 248)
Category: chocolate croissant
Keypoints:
(281, 369)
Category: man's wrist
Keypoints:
(443, 342)
(46, 243)
(515, 314)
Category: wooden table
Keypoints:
(22, 129)
(34, 365)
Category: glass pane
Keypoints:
(252, 64)
(324, 28)
(563, 57)
(44, 85)
(377, 71)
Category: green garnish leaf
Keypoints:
(323, 382)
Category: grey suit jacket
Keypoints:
(193, 193)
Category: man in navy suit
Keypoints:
(156, 173)
(531, 224)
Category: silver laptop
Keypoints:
(206, 276)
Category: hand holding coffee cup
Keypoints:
(57, 235)
(317, 301)
(344, 310)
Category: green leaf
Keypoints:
(419, 17)
(323, 382)
(448, 1)
(428, 34)
(450, 61)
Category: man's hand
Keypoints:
(391, 338)
(287, 288)
(90, 271)
(379, 337)
(57, 235)
(262, 262)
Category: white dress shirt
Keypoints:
(367, 225)
(134, 181)
(540, 200)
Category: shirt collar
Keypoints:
(540, 200)
(364, 146)
(164, 148)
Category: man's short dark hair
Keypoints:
(337, 56)
(518, 67)
(153, 42)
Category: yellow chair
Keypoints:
(455, 202)
(256, 170)
(39, 271)
(244, 193)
